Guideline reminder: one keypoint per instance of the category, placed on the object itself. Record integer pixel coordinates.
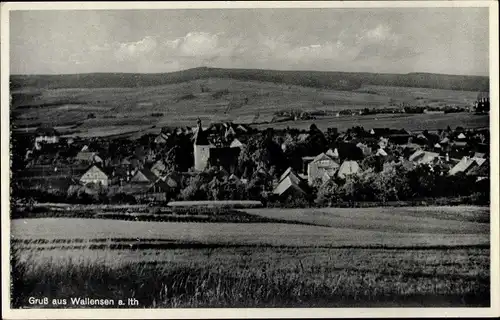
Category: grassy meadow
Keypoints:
(114, 111)
(374, 257)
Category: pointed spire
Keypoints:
(200, 137)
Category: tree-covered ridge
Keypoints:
(316, 79)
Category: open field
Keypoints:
(412, 122)
(432, 256)
(101, 110)
(258, 277)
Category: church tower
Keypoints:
(201, 149)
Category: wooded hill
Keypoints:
(317, 79)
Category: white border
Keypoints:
(8, 313)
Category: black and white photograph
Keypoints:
(237, 155)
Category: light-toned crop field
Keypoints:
(429, 256)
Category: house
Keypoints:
(466, 164)
(480, 172)
(45, 135)
(348, 167)
(423, 157)
(236, 143)
(321, 167)
(289, 187)
(143, 176)
(444, 141)
(162, 138)
(334, 154)
(302, 137)
(383, 143)
(381, 152)
(95, 175)
(461, 136)
(88, 157)
(289, 173)
(364, 148)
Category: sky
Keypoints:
(397, 40)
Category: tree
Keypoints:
(328, 193)
(374, 162)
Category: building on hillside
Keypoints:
(290, 174)
(424, 157)
(220, 152)
(334, 154)
(381, 152)
(162, 138)
(237, 143)
(364, 148)
(45, 135)
(95, 175)
(321, 167)
(466, 164)
(88, 157)
(143, 176)
(348, 167)
(289, 185)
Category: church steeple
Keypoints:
(200, 137)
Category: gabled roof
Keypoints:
(94, 166)
(236, 143)
(161, 138)
(88, 156)
(462, 166)
(348, 167)
(144, 175)
(422, 156)
(289, 173)
(461, 136)
(445, 140)
(285, 185)
(321, 156)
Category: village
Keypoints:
(233, 161)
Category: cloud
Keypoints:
(132, 50)
(200, 48)
(196, 44)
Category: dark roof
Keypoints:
(200, 137)
(148, 174)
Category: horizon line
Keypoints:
(258, 69)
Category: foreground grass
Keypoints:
(257, 277)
